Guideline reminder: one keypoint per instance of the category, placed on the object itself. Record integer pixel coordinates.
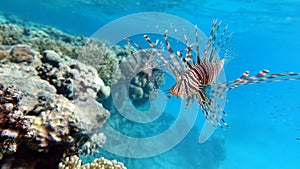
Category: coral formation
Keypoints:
(67, 74)
(103, 59)
(74, 162)
(17, 53)
(13, 125)
(14, 31)
(47, 123)
(58, 114)
(106, 60)
(141, 71)
(92, 146)
(141, 87)
(42, 38)
(187, 154)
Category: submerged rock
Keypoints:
(17, 53)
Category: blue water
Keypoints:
(264, 119)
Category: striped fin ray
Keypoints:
(162, 57)
(215, 42)
(173, 57)
(272, 78)
(208, 43)
(186, 63)
(211, 109)
(262, 77)
(197, 45)
(145, 60)
(188, 55)
(134, 43)
(136, 58)
(221, 43)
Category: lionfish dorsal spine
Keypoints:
(208, 43)
(197, 45)
(188, 55)
(173, 57)
(214, 42)
(162, 57)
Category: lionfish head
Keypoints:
(174, 90)
(178, 89)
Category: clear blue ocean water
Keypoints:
(264, 119)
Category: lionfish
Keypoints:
(196, 78)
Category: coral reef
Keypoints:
(17, 53)
(59, 115)
(74, 162)
(105, 59)
(14, 31)
(42, 38)
(50, 121)
(187, 154)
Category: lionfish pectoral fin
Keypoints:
(212, 108)
(261, 77)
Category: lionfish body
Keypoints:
(194, 79)
(202, 74)
(197, 79)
